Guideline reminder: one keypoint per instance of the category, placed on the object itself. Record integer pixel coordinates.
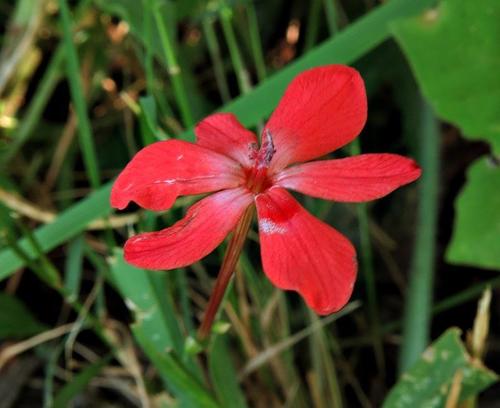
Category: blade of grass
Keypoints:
(223, 375)
(215, 56)
(255, 42)
(47, 84)
(18, 38)
(34, 112)
(16, 320)
(286, 343)
(182, 286)
(66, 226)
(324, 366)
(79, 382)
(312, 25)
(48, 273)
(50, 372)
(148, 6)
(73, 267)
(173, 67)
(448, 303)
(331, 16)
(76, 88)
(366, 256)
(464, 296)
(226, 18)
(347, 46)
(157, 321)
(418, 302)
(174, 374)
(44, 269)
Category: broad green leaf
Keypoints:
(476, 235)
(157, 330)
(174, 374)
(78, 383)
(156, 320)
(453, 50)
(428, 382)
(346, 47)
(16, 321)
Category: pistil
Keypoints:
(257, 180)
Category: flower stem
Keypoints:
(226, 271)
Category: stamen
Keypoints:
(266, 151)
(257, 179)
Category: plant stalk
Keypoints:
(226, 271)
(418, 307)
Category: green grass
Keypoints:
(155, 69)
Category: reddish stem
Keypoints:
(226, 271)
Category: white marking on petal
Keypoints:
(269, 227)
(166, 181)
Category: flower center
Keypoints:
(257, 179)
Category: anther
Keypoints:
(266, 151)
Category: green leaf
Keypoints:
(16, 320)
(453, 51)
(174, 374)
(346, 47)
(78, 383)
(428, 382)
(476, 235)
(155, 320)
(157, 330)
(73, 267)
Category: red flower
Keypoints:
(322, 110)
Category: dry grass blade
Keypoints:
(127, 356)
(456, 387)
(82, 316)
(477, 339)
(18, 348)
(24, 207)
(13, 52)
(263, 357)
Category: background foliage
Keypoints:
(85, 84)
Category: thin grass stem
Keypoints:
(332, 17)
(76, 88)
(215, 56)
(256, 42)
(226, 17)
(418, 307)
(366, 255)
(174, 69)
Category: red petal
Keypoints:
(162, 171)
(223, 134)
(301, 253)
(322, 109)
(204, 227)
(354, 179)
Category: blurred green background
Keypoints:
(85, 84)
